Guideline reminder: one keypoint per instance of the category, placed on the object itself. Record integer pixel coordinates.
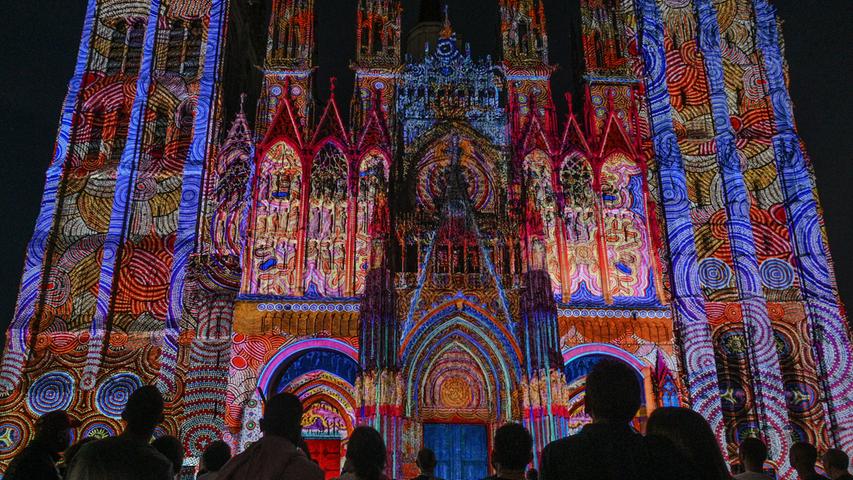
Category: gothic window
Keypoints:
(276, 224)
(326, 236)
(183, 48)
(542, 217)
(371, 215)
(580, 220)
(626, 235)
(125, 50)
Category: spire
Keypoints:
(447, 29)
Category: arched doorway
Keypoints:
(322, 373)
(460, 371)
(577, 363)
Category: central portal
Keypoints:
(461, 450)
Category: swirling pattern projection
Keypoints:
(371, 215)
(276, 222)
(777, 274)
(714, 273)
(113, 393)
(580, 218)
(626, 235)
(432, 176)
(51, 391)
(325, 244)
(542, 217)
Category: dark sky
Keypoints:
(39, 44)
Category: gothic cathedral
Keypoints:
(450, 249)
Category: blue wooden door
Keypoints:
(461, 450)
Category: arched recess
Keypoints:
(580, 218)
(483, 347)
(625, 229)
(579, 360)
(325, 248)
(275, 239)
(431, 175)
(371, 213)
(322, 373)
(543, 247)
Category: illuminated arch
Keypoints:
(294, 350)
(489, 346)
(325, 246)
(328, 402)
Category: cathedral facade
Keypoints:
(454, 255)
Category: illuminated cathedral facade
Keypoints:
(453, 256)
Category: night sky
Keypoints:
(39, 41)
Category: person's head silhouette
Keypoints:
(835, 462)
(143, 411)
(283, 417)
(612, 392)
(513, 449)
(53, 430)
(426, 461)
(693, 439)
(803, 456)
(215, 456)
(366, 453)
(752, 452)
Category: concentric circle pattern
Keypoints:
(714, 273)
(114, 392)
(777, 274)
(52, 391)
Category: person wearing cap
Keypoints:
(276, 455)
(130, 455)
(38, 460)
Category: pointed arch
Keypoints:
(580, 214)
(542, 222)
(272, 255)
(325, 248)
(627, 239)
(371, 212)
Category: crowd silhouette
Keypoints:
(678, 445)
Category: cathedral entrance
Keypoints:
(461, 449)
(327, 453)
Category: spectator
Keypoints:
(752, 454)
(37, 461)
(69, 454)
(172, 449)
(608, 448)
(836, 462)
(693, 439)
(426, 463)
(803, 457)
(129, 455)
(512, 451)
(366, 454)
(532, 474)
(275, 456)
(215, 456)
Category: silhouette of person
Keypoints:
(276, 455)
(803, 457)
(752, 453)
(426, 463)
(214, 457)
(172, 449)
(38, 460)
(71, 452)
(608, 448)
(693, 439)
(532, 474)
(366, 455)
(836, 463)
(129, 455)
(511, 452)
